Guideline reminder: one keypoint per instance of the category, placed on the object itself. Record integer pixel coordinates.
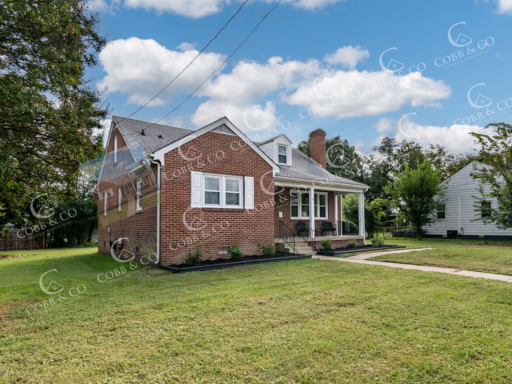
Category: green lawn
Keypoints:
(306, 321)
(468, 255)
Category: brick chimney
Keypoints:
(317, 146)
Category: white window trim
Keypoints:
(115, 149)
(105, 197)
(222, 185)
(138, 194)
(119, 199)
(277, 144)
(300, 217)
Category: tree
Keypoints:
(417, 193)
(47, 111)
(496, 152)
(342, 158)
(373, 213)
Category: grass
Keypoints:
(307, 321)
(468, 255)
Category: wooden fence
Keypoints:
(12, 242)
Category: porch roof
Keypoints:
(305, 168)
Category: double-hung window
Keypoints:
(282, 154)
(222, 191)
(139, 194)
(299, 203)
(105, 196)
(486, 208)
(441, 211)
(119, 198)
(115, 150)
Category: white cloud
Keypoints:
(186, 46)
(199, 8)
(504, 6)
(456, 138)
(385, 124)
(344, 94)
(142, 67)
(347, 57)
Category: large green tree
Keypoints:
(496, 152)
(47, 110)
(416, 193)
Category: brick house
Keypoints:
(162, 190)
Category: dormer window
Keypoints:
(282, 154)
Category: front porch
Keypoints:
(305, 216)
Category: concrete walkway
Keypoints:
(361, 259)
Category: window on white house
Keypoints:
(281, 150)
(212, 190)
(119, 198)
(139, 194)
(441, 211)
(115, 150)
(105, 195)
(486, 208)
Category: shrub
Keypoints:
(351, 244)
(235, 252)
(327, 245)
(377, 242)
(194, 258)
(267, 249)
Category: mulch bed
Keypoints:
(487, 244)
(228, 263)
(13, 256)
(363, 248)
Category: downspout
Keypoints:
(157, 213)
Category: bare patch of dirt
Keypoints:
(14, 256)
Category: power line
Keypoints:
(218, 69)
(189, 64)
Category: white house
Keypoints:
(457, 213)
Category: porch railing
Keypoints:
(287, 235)
(307, 234)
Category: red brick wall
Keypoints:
(138, 226)
(221, 154)
(317, 146)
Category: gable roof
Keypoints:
(272, 139)
(306, 168)
(149, 142)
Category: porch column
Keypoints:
(336, 213)
(340, 231)
(361, 217)
(312, 211)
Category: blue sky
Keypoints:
(314, 63)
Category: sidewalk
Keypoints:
(361, 259)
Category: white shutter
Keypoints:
(196, 196)
(249, 192)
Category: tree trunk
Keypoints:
(418, 232)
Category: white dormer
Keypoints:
(278, 149)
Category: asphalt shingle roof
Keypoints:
(143, 145)
(306, 168)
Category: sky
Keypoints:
(428, 71)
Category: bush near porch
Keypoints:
(302, 321)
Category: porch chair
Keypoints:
(327, 226)
(301, 228)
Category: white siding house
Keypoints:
(459, 210)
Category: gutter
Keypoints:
(157, 213)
